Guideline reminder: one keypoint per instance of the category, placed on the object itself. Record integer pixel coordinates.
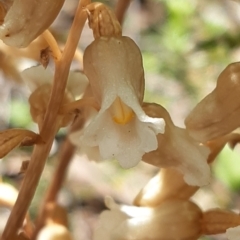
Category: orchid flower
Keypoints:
(25, 20)
(121, 129)
(219, 112)
(140, 223)
(178, 150)
(167, 184)
(39, 81)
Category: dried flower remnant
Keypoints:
(27, 19)
(121, 129)
(39, 81)
(178, 150)
(219, 112)
(103, 21)
(173, 219)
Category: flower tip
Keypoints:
(200, 179)
(233, 233)
(109, 202)
(121, 113)
(129, 163)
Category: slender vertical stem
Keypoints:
(49, 128)
(120, 9)
(65, 156)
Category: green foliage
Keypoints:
(227, 168)
(20, 115)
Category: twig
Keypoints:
(120, 9)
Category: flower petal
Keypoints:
(233, 233)
(219, 112)
(178, 150)
(37, 76)
(27, 19)
(127, 143)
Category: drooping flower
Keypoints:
(219, 112)
(39, 81)
(167, 184)
(121, 129)
(173, 219)
(25, 20)
(178, 150)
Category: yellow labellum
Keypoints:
(121, 113)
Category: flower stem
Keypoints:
(53, 45)
(120, 9)
(49, 128)
(65, 156)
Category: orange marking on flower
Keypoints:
(121, 113)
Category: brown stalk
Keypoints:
(120, 9)
(65, 156)
(48, 130)
(53, 45)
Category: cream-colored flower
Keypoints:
(219, 112)
(167, 184)
(121, 129)
(27, 19)
(39, 81)
(173, 219)
(178, 150)
(54, 231)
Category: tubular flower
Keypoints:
(140, 223)
(167, 184)
(27, 19)
(178, 150)
(219, 112)
(121, 129)
(39, 80)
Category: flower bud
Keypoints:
(54, 232)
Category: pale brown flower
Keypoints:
(178, 150)
(27, 19)
(219, 112)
